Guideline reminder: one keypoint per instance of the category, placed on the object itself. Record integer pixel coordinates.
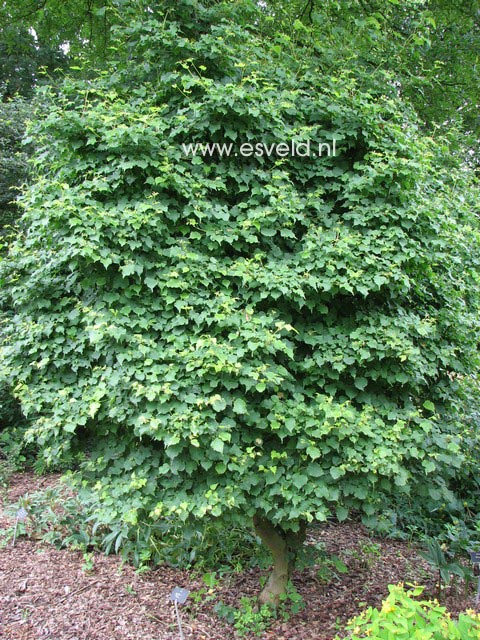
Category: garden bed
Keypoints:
(46, 593)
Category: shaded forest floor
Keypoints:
(46, 593)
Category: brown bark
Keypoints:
(284, 548)
(277, 545)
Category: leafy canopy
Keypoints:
(233, 336)
(429, 46)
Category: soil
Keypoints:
(52, 594)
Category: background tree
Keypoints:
(13, 159)
(37, 42)
(37, 39)
(429, 47)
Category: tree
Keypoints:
(34, 40)
(38, 39)
(14, 170)
(429, 46)
(13, 159)
(245, 336)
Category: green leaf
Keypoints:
(128, 269)
(337, 472)
(240, 406)
(151, 282)
(341, 513)
(313, 452)
(218, 445)
(360, 383)
(219, 404)
(93, 408)
(429, 466)
(300, 481)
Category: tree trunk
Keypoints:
(277, 545)
(284, 548)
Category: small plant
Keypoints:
(251, 619)
(210, 579)
(6, 470)
(371, 551)
(15, 452)
(205, 594)
(326, 571)
(461, 535)
(291, 603)
(436, 555)
(88, 562)
(403, 617)
(367, 554)
(56, 516)
(326, 566)
(248, 618)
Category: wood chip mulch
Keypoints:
(51, 594)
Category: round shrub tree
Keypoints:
(250, 334)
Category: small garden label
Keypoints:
(179, 595)
(21, 514)
(475, 558)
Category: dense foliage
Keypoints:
(13, 173)
(403, 616)
(13, 160)
(430, 46)
(269, 337)
(37, 40)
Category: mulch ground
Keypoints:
(46, 593)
